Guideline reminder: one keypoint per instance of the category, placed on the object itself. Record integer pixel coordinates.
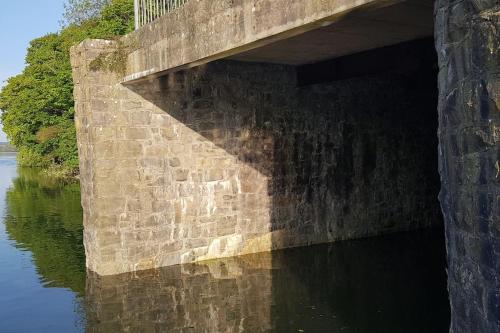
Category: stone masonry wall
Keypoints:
(233, 158)
(468, 44)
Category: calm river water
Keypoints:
(390, 284)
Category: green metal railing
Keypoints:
(147, 11)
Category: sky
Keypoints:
(20, 22)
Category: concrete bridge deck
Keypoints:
(279, 31)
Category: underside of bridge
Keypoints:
(240, 127)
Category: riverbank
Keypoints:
(6, 147)
(62, 174)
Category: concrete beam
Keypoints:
(360, 30)
(206, 30)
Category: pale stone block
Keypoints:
(139, 133)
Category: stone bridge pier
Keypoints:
(234, 127)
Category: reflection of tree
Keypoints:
(45, 217)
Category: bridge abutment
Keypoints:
(232, 158)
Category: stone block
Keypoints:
(174, 162)
(169, 247)
(181, 175)
(137, 133)
(168, 133)
(215, 174)
(140, 117)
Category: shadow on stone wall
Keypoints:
(387, 284)
(311, 164)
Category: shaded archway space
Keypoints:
(384, 179)
(361, 158)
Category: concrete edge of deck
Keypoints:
(203, 31)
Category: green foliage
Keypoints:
(116, 19)
(79, 11)
(38, 105)
(47, 133)
(31, 158)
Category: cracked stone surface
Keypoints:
(467, 42)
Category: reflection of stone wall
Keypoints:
(389, 284)
(221, 296)
(468, 44)
(233, 158)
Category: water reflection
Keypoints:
(45, 217)
(390, 284)
(395, 283)
(42, 275)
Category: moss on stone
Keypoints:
(114, 61)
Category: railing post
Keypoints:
(146, 11)
(136, 13)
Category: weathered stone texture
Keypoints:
(233, 158)
(467, 41)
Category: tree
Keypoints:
(38, 105)
(79, 11)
